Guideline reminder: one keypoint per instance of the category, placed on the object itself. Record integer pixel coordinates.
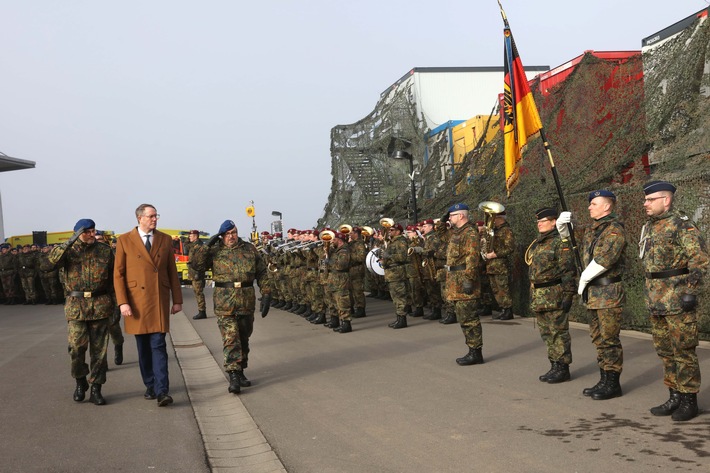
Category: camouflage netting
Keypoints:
(612, 124)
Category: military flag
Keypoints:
(521, 119)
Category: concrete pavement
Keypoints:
(374, 400)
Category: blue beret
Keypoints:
(226, 226)
(85, 223)
(456, 207)
(602, 193)
(658, 186)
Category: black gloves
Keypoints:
(75, 237)
(445, 218)
(688, 302)
(214, 239)
(468, 287)
(264, 305)
(567, 302)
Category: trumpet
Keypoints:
(490, 209)
(326, 236)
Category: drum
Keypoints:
(373, 264)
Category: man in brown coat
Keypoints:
(144, 278)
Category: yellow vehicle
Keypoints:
(47, 238)
(180, 237)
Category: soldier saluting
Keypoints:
(674, 258)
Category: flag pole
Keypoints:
(558, 186)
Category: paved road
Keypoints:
(374, 400)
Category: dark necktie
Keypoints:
(147, 243)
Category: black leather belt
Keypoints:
(88, 294)
(604, 281)
(459, 267)
(667, 273)
(236, 284)
(540, 285)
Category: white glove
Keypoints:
(592, 270)
(562, 221)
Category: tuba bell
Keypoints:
(386, 223)
(490, 210)
(345, 229)
(326, 236)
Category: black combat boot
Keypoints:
(596, 387)
(507, 314)
(485, 310)
(234, 386)
(200, 315)
(546, 376)
(418, 312)
(401, 322)
(334, 322)
(449, 319)
(307, 313)
(81, 387)
(560, 373)
(687, 409)
(96, 396)
(320, 319)
(668, 407)
(278, 303)
(243, 381)
(312, 317)
(302, 309)
(435, 314)
(473, 357)
(359, 313)
(610, 389)
(287, 306)
(345, 327)
(118, 354)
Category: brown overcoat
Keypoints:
(146, 281)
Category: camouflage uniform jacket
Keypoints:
(672, 241)
(87, 268)
(434, 255)
(463, 250)
(239, 263)
(27, 264)
(189, 249)
(322, 265)
(8, 263)
(394, 259)
(550, 260)
(339, 268)
(444, 235)
(605, 243)
(358, 252)
(47, 269)
(503, 247)
(415, 260)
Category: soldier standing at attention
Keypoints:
(27, 269)
(235, 265)
(552, 288)
(197, 277)
(49, 277)
(463, 283)
(498, 266)
(88, 272)
(339, 281)
(601, 289)
(358, 252)
(394, 261)
(432, 288)
(675, 259)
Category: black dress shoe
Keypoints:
(164, 400)
(149, 394)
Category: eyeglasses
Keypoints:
(455, 215)
(651, 199)
(154, 216)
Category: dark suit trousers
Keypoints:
(153, 362)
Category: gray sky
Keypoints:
(201, 107)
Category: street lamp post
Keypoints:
(280, 223)
(410, 158)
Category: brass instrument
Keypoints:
(386, 223)
(490, 210)
(326, 236)
(345, 229)
(367, 232)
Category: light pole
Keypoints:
(279, 225)
(410, 158)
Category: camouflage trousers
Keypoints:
(416, 292)
(433, 293)
(554, 330)
(235, 331)
(500, 287)
(28, 287)
(198, 287)
(8, 285)
(357, 290)
(400, 296)
(51, 287)
(448, 305)
(91, 335)
(341, 299)
(467, 317)
(604, 328)
(486, 292)
(114, 327)
(675, 338)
